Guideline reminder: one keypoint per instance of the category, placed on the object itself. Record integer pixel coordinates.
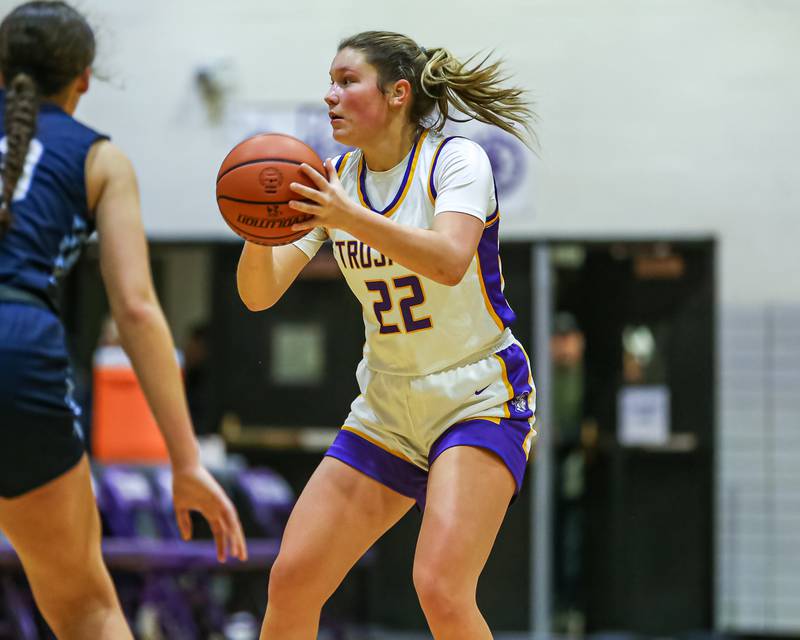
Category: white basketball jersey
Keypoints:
(414, 325)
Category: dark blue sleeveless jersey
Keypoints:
(51, 218)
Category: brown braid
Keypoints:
(440, 82)
(22, 105)
(44, 45)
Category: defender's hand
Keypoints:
(194, 489)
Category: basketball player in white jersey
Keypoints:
(445, 414)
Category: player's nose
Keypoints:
(331, 97)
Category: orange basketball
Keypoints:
(253, 191)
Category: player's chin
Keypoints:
(340, 132)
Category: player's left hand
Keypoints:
(330, 205)
(194, 489)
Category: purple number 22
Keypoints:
(384, 304)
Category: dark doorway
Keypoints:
(633, 480)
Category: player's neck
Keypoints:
(391, 148)
(67, 99)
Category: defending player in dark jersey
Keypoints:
(61, 180)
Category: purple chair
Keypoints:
(268, 498)
(200, 571)
(202, 554)
(128, 503)
(162, 478)
(180, 580)
(143, 543)
(20, 619)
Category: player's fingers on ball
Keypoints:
(305, 191)
(312, 173)
(299, 205)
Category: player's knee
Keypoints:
(440, 596)
(290, 580)
(66, 608)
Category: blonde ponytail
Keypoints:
(441, 83)
(477, 91)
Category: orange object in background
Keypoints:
(123, 427)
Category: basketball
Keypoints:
(253, 191)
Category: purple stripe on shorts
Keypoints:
(391, 471)
(518, 372)
(505, 439)
(489, 258)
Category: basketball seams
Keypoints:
(243, 201)
(239, 185)
(295, 235)
(253, 188)
(256, 161)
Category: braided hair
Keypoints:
(43, 47)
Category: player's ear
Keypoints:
(83, 80)
(400, 93)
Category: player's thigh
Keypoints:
(469, 490)
(55, 530)
(338, 516)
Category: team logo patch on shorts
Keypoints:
(520, 402)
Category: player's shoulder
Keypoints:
(108, 157)
(107, 165)
(61, 128)
(450, 146)
(457, 154)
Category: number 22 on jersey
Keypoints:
(385, 303)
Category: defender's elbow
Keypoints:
(134, 311)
